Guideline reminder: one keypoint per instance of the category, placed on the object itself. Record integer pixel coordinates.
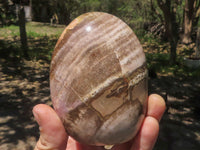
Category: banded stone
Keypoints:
(98, 80)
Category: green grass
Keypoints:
(7, 31)
(41, 40)
(44, 29)
(33, 29)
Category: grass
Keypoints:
(33, 29)
(159, 63)
(41, 40)
(7, 31)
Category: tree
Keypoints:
(197, 51)
(191, 11)
(22, 28)
(22, 24)
(169, 8)
(63, 9)
(197, 14)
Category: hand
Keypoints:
(54, 137)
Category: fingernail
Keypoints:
(36, 116)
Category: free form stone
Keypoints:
(98, 80)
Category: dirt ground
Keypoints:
(23, 84)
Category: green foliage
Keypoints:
(198, 23)
(7, 13)
(159, 63)
(89, 5)
(135, 13)
(149, 38)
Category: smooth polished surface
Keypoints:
(98, 80)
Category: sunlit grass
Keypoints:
(7, 31)
(33, 29)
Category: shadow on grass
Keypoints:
(180, 87)
(23, 84)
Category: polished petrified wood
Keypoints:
(98, 80)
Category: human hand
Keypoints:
(54, 137)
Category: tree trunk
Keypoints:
(173, 46)
(171, 27)
(197, 51)
(173, 37)
(64, 18)
(22, 28)
(196, 13)
(64, 12)
(188, 19)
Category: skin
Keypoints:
(54, 137)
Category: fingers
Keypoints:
(147, 136)
(74, 145)
(156, 106)
(53, 135)
(148, 133)
(52, 132)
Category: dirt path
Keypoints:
(180, 126)
(24, 84)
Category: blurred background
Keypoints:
(169, 32)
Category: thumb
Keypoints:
(52, 132)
